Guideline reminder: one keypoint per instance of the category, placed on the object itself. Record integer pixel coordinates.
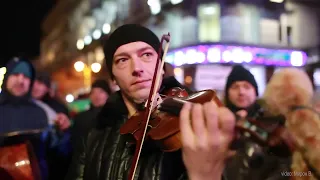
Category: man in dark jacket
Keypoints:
(86, 120)
(16, 92)
(241, 93)
(131, 56)
(18, 112)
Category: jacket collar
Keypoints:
(114, 109)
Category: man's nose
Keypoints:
(137, 67)
(241, 90)
(20, 77)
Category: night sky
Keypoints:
(20, 24)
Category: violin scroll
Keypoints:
(166, 37)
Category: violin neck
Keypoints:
(172, 106)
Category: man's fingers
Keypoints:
(198, 125)
(187, 136)
(211, 116)
(227, 124)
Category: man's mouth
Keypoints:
(19, 86)
(140, 81)
(241, 99)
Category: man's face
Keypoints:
(242, 94)
(39, 89)
(133, 69)
(18, 84)
(98, 97)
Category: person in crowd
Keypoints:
(42, 90)
(241, 91)
(131, 54)
(19, 113)
(60, 152)
(241, 97)
(86, 120)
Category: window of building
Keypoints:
(209, 22)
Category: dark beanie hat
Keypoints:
(23, 68)
(44, 78)
(100, 83)
(239, 73)
(127, 34)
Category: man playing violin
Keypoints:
(206, 130)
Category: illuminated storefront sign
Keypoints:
(203, 54)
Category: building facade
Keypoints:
(206, 36)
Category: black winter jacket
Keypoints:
(106, 155)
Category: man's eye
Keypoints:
(147, 54)
(120, 60)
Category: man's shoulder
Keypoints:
(41, 104)
(30, 104)
(113, 111)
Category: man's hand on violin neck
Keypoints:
(206, 133)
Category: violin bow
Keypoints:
(148, 109)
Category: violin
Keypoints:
(163, 127)
(160, 124)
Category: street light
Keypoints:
(96, 34)
(95, 67)
(80, 44)
(69, 98)
(79, 66)
(106, 28)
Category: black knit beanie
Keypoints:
(127, 34)
(99, 83)
(44, 78)
(239, 73)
